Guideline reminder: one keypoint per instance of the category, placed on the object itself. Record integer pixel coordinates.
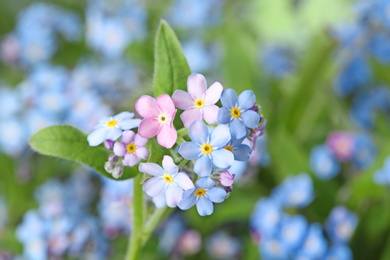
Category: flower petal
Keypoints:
(204, 206)
(203, 166)
(147, 106)
(159, 201)
(250, 118)
(246, 100)
(210, 114)
(113, 133)
(127, 136)
(173, 195)
(182, 99)
(198, 132)
(224, 115)
(241, 153)
(130, 159)
(148, 128)
(191, 115)
(154, 186)
(196, 85)
(183, 181)
(119, 149)
(97, 136)
(169, 166)
(151, 169)
(222, 158)
(129, 123)
(167, 136)
(188, 200)
(237, 129)
(166, 105)
(140, 141)
(205, 183)
(213, 93)
(228, 98)
(123, 116)
(142, 152)
(220, 136)
(189, 150)
(216, 194)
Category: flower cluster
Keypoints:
(218, 137)
(342, 147)
(284, 236)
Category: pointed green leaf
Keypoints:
(171, 69)
(68, 142)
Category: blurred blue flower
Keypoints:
(339, 252)
(364, 151)
(201, 57)
(10, 100)
(277, 61)
(314, 245)
(169, 233)
(382, 176)
(323, 162)
(266, 217)
(273, 249)
(293, 230)
(341, 224)
(379, 46)
(221, 245)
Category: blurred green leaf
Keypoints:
(68, 142)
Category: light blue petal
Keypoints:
(222, 158)
(123, 116)
(205, 183)
(220, 136)
(204, 206)
(189, 150)
(203, 166)
(246, 100)
(129, 123)
(224, 115)
(97, 136)
(187, 201)
(154, 186)
(151, 169)
(199, 132)
(113, 133)
(103, 121)
(216, 194)
(228, 98)
(250, 118)
(241, 153)
(237, 129)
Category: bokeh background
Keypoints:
(316, 186)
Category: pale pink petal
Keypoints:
(127, 136)
(130, 159)
(196, 85)
(142, 152)
(169, 165)
(182, 99)
(173, 195)
(213, 94)
(183, 181)
(140, 141)
(148, 128)
(210, 114)
(154, 186)
(159, 201)
(147, 106)
(190, 116)
(119, 149)
(166, 104)
(167, 136)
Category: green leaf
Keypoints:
(68, 142)
(171, 69)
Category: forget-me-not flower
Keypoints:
(323, 163)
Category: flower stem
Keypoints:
(135, 241)
(157, 217)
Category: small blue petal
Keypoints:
(229, 98)
(205, 183)
(241, 153)
(129, 123)
(203, 166)
(124, 116)
(250, 118)
(199, 132)
(246, 100)
(188, 201)
(114, 133)
(204, 206)
(224, 115)
(220, 136)
(238, 129)
(189, 150)
(222, 158)
(216, 194)
(97, 136)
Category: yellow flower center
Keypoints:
(235, 112)
(199, 103)
(229, 148)
(168, 178)
(206, 148)
(163, 119)
(112, 123)
(200, 192)
(131, 148)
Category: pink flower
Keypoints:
(226, 178)
(199, 102)
(341, 144)
(158, 117)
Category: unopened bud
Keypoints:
(109, 144)
(118, 171)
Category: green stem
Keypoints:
(135, 241)
(158, 216)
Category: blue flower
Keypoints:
(339, 252)
(380, 47)
(293, 230)
(382, 176)
(341, 224)
(314, 245)
(323, 163)
(110, 128)
(295, 191)
(203, 195)
(237, 112)
(207, 148)
(266, 217)
(273, 249)
(364, 151)
(240, 150)
(222, 246)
